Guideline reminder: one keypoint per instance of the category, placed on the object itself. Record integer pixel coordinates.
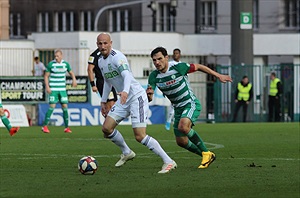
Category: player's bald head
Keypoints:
(104, 35)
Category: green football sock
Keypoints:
(196, 139)
(66, 117)
(6, 122)
(48, 115)
(193, 148)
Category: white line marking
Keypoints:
(27, 156)
(213, 146)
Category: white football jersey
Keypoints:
(112, 68)
(172, 62)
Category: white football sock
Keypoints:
(154, 146)
(117, 138)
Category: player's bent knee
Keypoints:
(139, 133)
(182, 141)
(107, 131)
(185, 132)
(139, 138)
(184, 129)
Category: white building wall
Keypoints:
(138, 64)
(276, 44)
(137, 46)
(141, 43)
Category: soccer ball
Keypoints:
(88, 165)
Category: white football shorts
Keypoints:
(137, 109)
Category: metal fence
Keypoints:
(16, 62)
(259, 76)
(76, 57)
(19, 61)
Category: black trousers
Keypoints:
(274, 109)
(239, 104)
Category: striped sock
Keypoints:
(155, 147)
(117, 138)
(193, 148)
(196, 139)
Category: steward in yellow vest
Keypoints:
(243, 96)
(275, 92)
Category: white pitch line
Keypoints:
(28, 156)
(213, 146)
(141, 156)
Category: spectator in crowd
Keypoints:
(275, 92)
(176, 56)
(55, 82)
(176, 59)
(243, 96)
(39, 67)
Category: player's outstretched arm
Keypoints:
(224, 78)
(205, 69)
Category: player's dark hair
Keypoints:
(159, 49)
(273, 74)
(245, 77)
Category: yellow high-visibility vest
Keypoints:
(244, 92)
(273, 87)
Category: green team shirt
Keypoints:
(57, 78)
(174, 84)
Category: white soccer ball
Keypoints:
(88, 165)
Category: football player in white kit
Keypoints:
(132, 102)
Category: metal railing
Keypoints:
(259, 76)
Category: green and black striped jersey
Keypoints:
(57, 78)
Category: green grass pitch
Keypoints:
(253, 160)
